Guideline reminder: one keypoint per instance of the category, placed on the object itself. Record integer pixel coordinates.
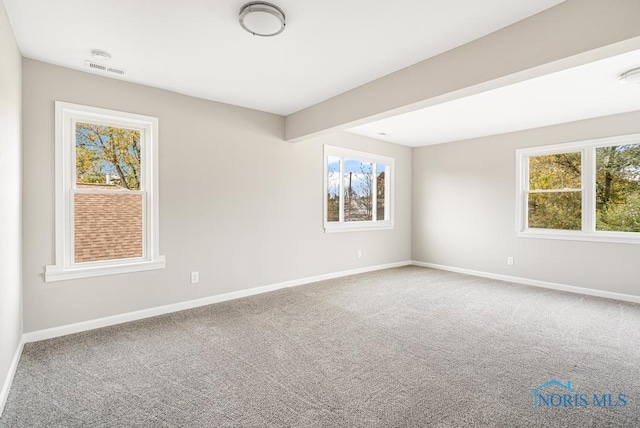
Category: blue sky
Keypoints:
(356, 168)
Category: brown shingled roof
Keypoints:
(107, 226)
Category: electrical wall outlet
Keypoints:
(359, 254)
(195, 277)
(510, 261)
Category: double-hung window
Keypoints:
(106, 193)
(358, 190)
(587, 190)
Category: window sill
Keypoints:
(57, 273)
(357, 227)
(612, 237)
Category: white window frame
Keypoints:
(587, 148)
(341, 225)
(66, 116)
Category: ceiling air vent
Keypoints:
(102, 67)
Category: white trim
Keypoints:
(588, 179)
(577, 235)
(8, 380)
(66, 115)
(374, 192)
(359, 226)
(49, 333)
(534, 282)
(54, 273)
(553, 191)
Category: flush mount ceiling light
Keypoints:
(262, 19)
(100, 56)
(631, 77)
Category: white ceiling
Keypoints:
(197, 47)
(583, 92)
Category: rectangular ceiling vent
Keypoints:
(102, 67)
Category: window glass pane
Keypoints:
(558, 210)
(108, 226)
(333, 188)
(107, 155)
(559, 171)
(618, 188)
(380, 190)
(358, 190)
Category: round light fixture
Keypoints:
(100, 56)
(262, 19)
(631, 77)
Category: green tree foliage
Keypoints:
(561, 209)
(333, 207)
(102, 150)
(618, 188)
(620, 217)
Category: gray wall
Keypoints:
(464, 212)
(10, 189)
(237, 203)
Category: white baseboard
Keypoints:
(6, 385)
(535, 282)
(49, 333)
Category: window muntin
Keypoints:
(106, 193)
(588, 190)
(357, 190)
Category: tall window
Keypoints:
(106, 193)
(358, 190)
(586, 190)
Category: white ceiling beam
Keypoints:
(573, 33)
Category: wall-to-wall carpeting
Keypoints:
(406, 347)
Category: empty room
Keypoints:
(221, 213)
